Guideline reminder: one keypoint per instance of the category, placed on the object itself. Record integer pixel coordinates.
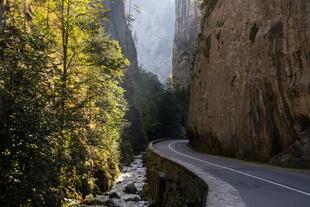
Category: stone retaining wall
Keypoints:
(173, 185)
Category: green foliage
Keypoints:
(163, 110)
(172, 112)
(61, 105)
(127, 150)
(149, 92)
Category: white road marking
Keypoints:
(237, 171)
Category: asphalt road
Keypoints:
(259, 185)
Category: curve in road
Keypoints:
(259, 185)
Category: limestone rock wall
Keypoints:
(186, 30)
(250, 90)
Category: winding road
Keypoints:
(257, 185)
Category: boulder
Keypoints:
(131, 189)
(114, 195)
(134, 199)
(110, 203)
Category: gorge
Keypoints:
(153, 31)
(164, 103)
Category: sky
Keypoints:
(153, 31)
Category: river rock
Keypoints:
(114, 195)
(110, 203)
(134, 199)
(131, 189)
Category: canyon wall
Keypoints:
(186, 30)
(118, 28)
(250, 87)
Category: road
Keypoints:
(258, 185)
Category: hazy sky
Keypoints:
(153, 30)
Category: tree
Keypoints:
(63, 106)
(27, 159)
(163, 110)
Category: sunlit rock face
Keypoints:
(186, 30)
(153, 31)
(250, 88)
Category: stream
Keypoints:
(127, 189)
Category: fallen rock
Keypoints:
(131, 189)
(114, 195)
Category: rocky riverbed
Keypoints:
(128, 191)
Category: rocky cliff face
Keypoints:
(118, 28)
(186, 30)
(250, 90)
